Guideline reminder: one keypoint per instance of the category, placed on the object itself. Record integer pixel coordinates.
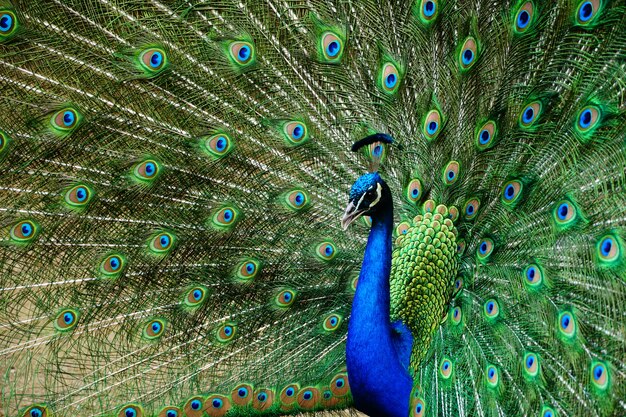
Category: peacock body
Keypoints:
(173, 176)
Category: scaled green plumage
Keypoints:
(173, 173)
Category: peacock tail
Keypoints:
(173, 174)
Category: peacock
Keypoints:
(269, 208)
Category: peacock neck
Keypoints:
(379, 383)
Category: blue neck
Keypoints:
(379, 383)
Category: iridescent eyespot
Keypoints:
(147, 171)
(217, 405)
(153, 60)
(533, 275)
(162, 242)
(486, 135)
(295, 132)
(242, 394)
(468, 53)
(353, 283)
(432, 124)
(414, 190)
(332, 322)
(66, 320)
(226, 332)
(492, 376)
(485, 248)
(113, 265)
(429, 10)
(402, 228)
(332, 47)
(548, 412)
(248, 269)
(491, 309)
(24, 231)
(531, 364)
(8, 24)
(564, 213)
(524, 17)
(587, 11)
(285, 298)
(65, 120)
(263, 399)
(339, 385)
(609, 249)
(225, 217)
(460, 246)
(471, 208)
(567, 324)
(194, 407)
(154, 329)
(130, 410)
(458, 284)
(445, 368)
(419, 408)
(326, 251)
(218, 146)
(242, 53)
(297, 199)
(170, 412)
(511, 192)
(288, 395)
(451, 173)
(453, 213)
(78, 196)
(389, 78)
(36, 410)
(308, 397)
(530, 114)
(5, 141)
(428, 206)
(195, 296)
(457, 314)
(600, 376)
(588, 118)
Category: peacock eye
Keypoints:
(587, 11)
(429, 10)
(486, 136)
(162, 242)
(78, 196)
(285, 298)
(530, 114)
(599, 375)
(419, 409)
(112, 265)
(226, 332)
(339, 386)
(469, 51)
(524, 17)
(326, 251)
(389, 78)
(153, 61)
(170, 412)
(24, 231)
(65, 120)
(295, 132)
(332, 47)
(567, 324)
(226, 217)
(492, 376)
(608, 249)
(248, 269)
(432, 124)
(531, 364)
(154, 329)
(66, 320)
(297, 200)
(511, 192)
(242, 53)
(8, 24)
(195, 296)
(218, 146)
(451, 173)
(131, 410)
(332, 322)
(35, 411)
(147, 171)
(491, 309)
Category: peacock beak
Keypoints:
(352, 213)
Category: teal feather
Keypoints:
(173, 175)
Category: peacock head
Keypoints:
(369, 196)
